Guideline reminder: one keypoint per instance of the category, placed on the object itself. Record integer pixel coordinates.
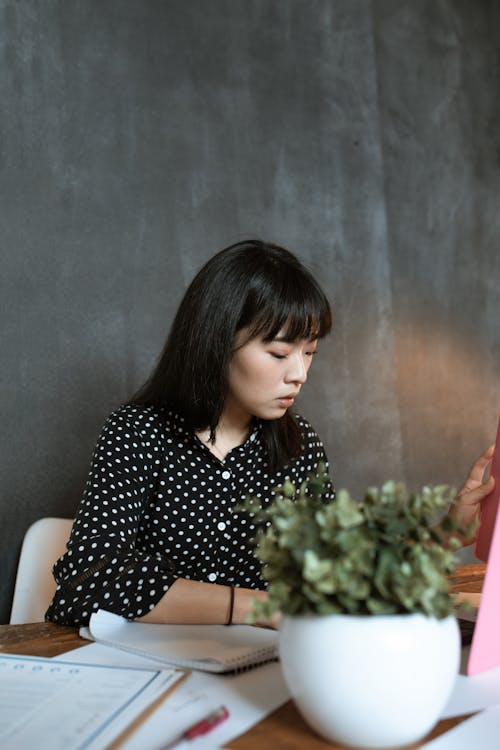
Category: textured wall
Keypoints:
(137, 137)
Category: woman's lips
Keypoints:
(286, 401)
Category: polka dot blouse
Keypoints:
(158, 505)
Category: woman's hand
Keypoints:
(244, 605)
(467, 505)
(274, 622)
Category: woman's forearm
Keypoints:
(194, 602)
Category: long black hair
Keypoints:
(254, 285)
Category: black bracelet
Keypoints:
(231, 606)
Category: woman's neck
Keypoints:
(228, 435)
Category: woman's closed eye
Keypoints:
(284, 355)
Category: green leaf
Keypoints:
(378, 556)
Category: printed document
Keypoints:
(50, 704)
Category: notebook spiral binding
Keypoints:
(248, 667)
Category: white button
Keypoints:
(212, 576)
(226, 475)
(221, 525)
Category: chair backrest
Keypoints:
(44, 542)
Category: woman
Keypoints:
(155, 537)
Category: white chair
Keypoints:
(44, 542)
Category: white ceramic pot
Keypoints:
(372, 681)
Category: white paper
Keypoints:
(473, 694)
(212, 648)
(249, 697)
(482, 731)
(52, 704)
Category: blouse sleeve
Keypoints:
(102, 567)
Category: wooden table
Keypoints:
(284, 729)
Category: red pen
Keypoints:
(204, 726)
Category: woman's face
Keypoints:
(266, 377)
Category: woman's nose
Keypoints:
(297, 372)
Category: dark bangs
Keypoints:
(289, 304)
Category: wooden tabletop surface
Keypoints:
(284, 729)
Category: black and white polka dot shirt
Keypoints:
(158, 505)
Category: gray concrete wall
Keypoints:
(137, 137)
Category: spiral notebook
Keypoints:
(209, 648)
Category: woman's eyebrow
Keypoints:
(283, 339)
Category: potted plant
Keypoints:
(369, 645)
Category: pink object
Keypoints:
(485, 647)
(207, 724)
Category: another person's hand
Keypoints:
(467, 506)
